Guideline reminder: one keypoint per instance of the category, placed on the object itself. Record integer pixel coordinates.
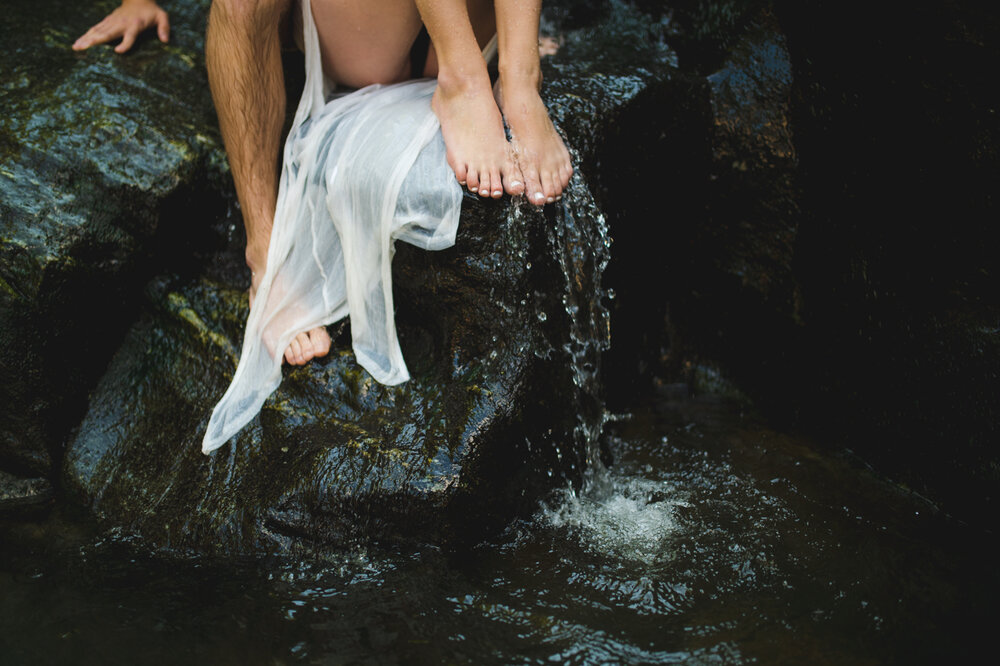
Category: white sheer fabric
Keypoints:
(360, 171)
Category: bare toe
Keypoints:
(472, 180)
(484, 183)
(549, 187)
(510, 173)
(461, 170)
(320, 341)
(565, 173)
(533, 188)
(307, 349)
(512, 181)
(294, 352)
(496, 184)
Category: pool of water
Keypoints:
(711, 540)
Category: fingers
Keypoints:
(98, 34)
(128, 39)
(127, 24)
(163, 26)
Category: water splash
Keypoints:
(627, 517)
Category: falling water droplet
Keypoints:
(542, 316)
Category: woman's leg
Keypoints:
(471, 124)
(366, 41)
(541, 154)
(369, 41)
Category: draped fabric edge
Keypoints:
(222, 426)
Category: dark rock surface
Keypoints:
(824, 205)
(899, 141)
(23, 496)
(334, 455)
(105, 161)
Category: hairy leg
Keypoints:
(540, 151)
(243, 57)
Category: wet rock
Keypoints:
(899, 141)
(502, 334)
(824, 194)
(96, 151)
(713, 178)
(334, 455)
(19, 496)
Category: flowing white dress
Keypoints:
(360, 171)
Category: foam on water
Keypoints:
(628, 517)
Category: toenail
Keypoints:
(462, 183)
(515, 183)
(550, 200)
(538, 196)
(484, 191)
(497, 193)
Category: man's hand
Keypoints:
(127, 22)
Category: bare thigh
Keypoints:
(369, 41)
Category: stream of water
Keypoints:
(712, 540)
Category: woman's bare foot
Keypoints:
(474, 139)
(539, 150)
(305, 346)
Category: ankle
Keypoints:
(256, 258)
(463, 80)
(521, 79)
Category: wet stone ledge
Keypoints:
(109, 166)
(502, 334)
(23, 497)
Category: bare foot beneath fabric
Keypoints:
(539, 150)
(305, 346)
(474, 139)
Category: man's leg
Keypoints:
(471, 124)
(541, 154)
(243, 56)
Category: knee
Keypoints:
(383, 74)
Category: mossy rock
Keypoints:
(503, 336)
(96, 151)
